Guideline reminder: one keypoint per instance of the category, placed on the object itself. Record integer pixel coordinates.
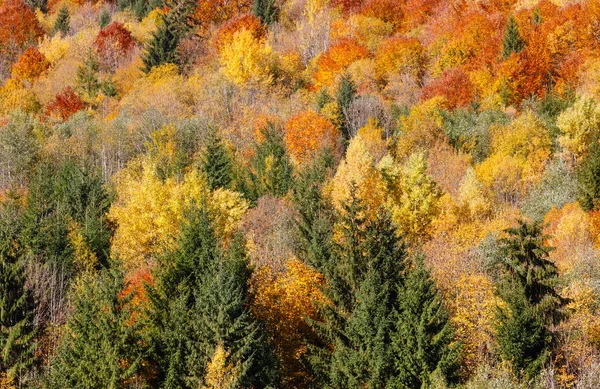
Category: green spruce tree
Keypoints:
(101, 346)
(265, 10)
(199, 303)
(527, 285)
(217, 163)
(87, 76)
(588, 179)
(104, 19)
(423, 337)
(346, 93)
(512, 42)
(63, 21)
(271, 170)
(17, 345)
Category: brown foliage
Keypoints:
(307, 133)
(113, 43)
(19, 25)
(454, 85)
(246, 21)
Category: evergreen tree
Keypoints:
(101, 347)
(217, 163)
(63, 21)
(16, 326)
(87, 76)
(315, 214)
(384, 324)
(364, 276)
(345, 96)
(265, 10)
(271, 170)
(42, 5)
(140, 8)
(512, 42)
(105, 18)
(588, 178)
(199, 304)
(176, 24)
(423, 335)
(533, 306)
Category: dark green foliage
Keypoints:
(315, 214)
(18, 148)
(323, 99)
(528, 287)
(385, 326)
(217, 163)
(101, 345)
(271, 169)
(63, 21)
(512, 42)
(87, 76)
(38, 4)
(174, 27)
(345, 96)
(423, 335)
(58, 198)
(16, 304)
(588, 178)
(469, 131)
(199, 303)
(265, 10)
(104, 19)
(139, 7)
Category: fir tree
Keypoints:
(364, 276)
(87, 76)
(345, 96)
(140, 8)
(265, 10)
(533, 306)
(217, 163)
(101, 347)
(512, 42)
(199, 304)
(63, 21)
(16, 326)
(588, 178)
(42, 5)
(314, 213)
(423, 335)
(104, 19)
(271, 170)
(176, 24)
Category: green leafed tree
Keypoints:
(217, 163)
(345, 96)
(528, 286)
(512, 42)
(265, 10)
(63, 21)
(200, 304)
(17, 344)
(101, 345)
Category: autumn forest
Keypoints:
(325, 194)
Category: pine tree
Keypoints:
(345, 96)
(176, 24)
(533, 306)
(42, 5)
(423, 336)
(101, 347)
(199, 304)
(217, 163)
(104, 19)
(87, 76)
(271, 167)
(588, 178)
(63, 21)
(512, 42)
(16, 326)
(265, 10)
(315, 214)
(364, 276)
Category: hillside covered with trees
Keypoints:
(250, 194)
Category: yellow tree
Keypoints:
(246, 60)
(580, 126)
(220, 374)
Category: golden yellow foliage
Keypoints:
(219, 373)
(579, 125)
(422, 127)
(246, 61)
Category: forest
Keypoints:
(325, 194)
